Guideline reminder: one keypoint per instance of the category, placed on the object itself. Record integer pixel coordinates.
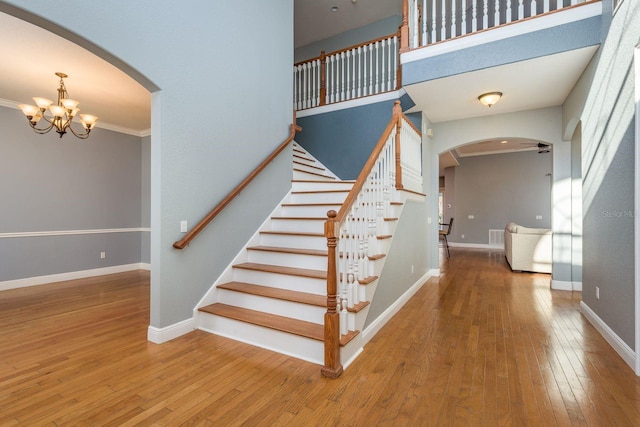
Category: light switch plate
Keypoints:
(183, 226)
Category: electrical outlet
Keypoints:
(183, 226)
(462, 236)
(597, 292)
(411, 269)
(103, 255)
(471, 217)
(538, 216)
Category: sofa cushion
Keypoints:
(526, 230)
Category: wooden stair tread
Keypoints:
(314, 173)
(272, 321)
(315, 252)
(309, 204)
(368, 280)
(292, 233)
(320, 191)
(276, 293)
(309, 166)
(291, 271)
(317, 181)
(298, 156)
(297, 218)
(358, 307)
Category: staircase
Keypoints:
(274, 293)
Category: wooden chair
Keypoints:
(445, 230)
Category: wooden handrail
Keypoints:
(182, 243)
(355, 46)
(368, 166)
(332, 367)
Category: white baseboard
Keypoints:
(434, 272)
(612, 338)
(60, 277)
(382, 320)
(474, 246)
(162, 335)
(559, 285)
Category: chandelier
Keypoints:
(60, 115)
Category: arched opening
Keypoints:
(485, 185)
(80, 208)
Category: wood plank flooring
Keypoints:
(478, 346)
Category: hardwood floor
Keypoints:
(479, 346)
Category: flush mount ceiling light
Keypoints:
(490, 98)
(61, 114)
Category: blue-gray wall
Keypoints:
(349, 38)
(55, 185)
(603, 102)
(343, 140)
(221, 103)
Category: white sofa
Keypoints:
(528, 249)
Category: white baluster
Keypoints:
(545, 8)
(349, 83)
(474, 16)
(389, 66)
(463, 23)
(443, 28)
(305, 92)
(453, 19)
(377, 87)
(353, 74)
(425, 34)
(496, 16)
(520, 9)
(508, 13)
(344, 326)
(534, 8)
(343, 77)
(359, 71)
(485, 14)
(433, 21)
(395, 63)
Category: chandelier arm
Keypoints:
(79, 135)
(40, 131)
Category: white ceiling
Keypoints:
(27, 69)
(29, 58)
(315, 21)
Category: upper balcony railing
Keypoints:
(374, 67)
(433, 21)
(361, 70)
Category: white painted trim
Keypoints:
(560, 285)
(72, 275)
(489, 35)
(358, 102)
(107, 126)
(636, 219)
(382, 320)
(162, 335)
(72, 232)
(474, 246)
(434, 272)
(607, 333)
(577, 286)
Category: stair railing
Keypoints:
(361, 70)
(191, 234)
(353, 233)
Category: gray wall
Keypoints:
(52, 184)
(207, 58)
(350, 38)
(603, 101)
(145, 199)
(498, 189)
(406, 262)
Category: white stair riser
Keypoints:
(312, 262)
(319, 186)
(308, 210)
(281, 342)
(298, 225)
(281, 281)
(299, 311)
(293, 241)
(330, 197)
(301, 158)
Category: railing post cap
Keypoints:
(332, 214)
